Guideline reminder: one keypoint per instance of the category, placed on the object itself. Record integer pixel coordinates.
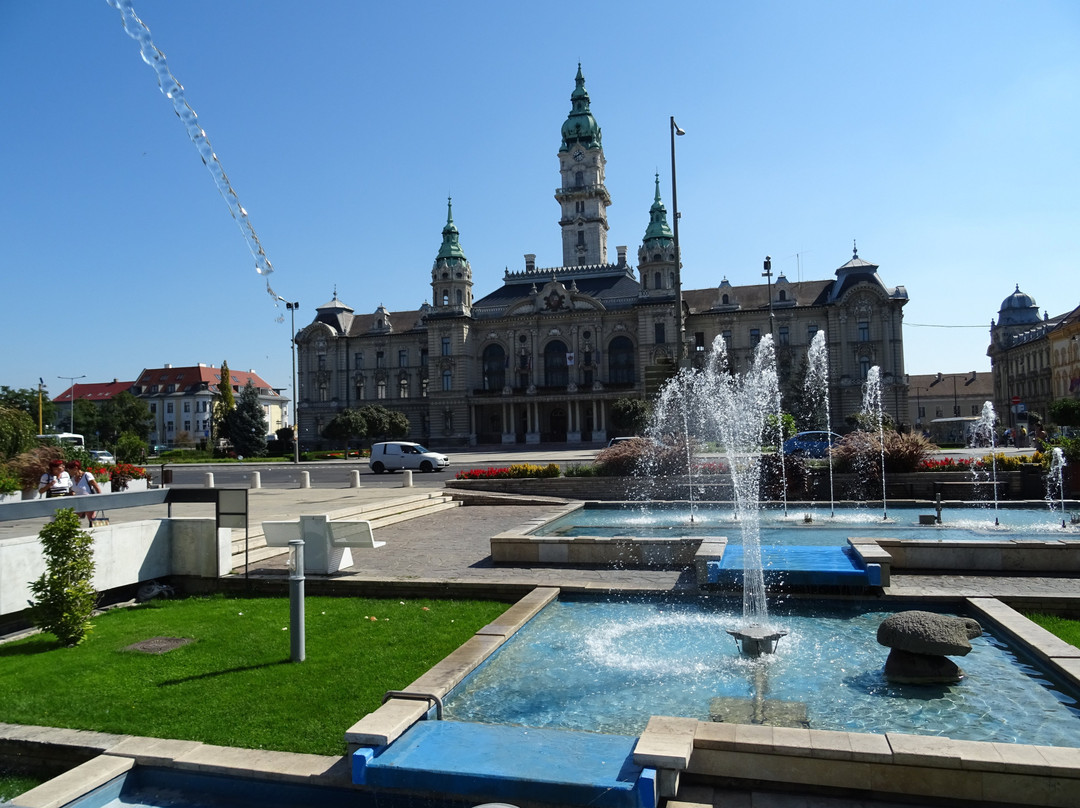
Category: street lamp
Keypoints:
(71, 396)
(767, 274)
(675, 130)
(292, 307)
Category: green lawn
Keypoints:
(1068, 630)
(12, 785)
(234, 685)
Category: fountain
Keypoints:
(816, 387)
(984, 434)
(872, 409)
(1056, 476)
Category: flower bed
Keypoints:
(516, 471)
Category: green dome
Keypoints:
(580, 126)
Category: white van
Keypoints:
(399, 454)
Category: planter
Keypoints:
(15, 496)
(132, 485)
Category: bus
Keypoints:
(63, 439)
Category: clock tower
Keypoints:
(583, 198)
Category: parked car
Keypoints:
(398, 454)
(613, 441)
(811, 444)
(103, 457)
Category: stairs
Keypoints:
(380, 514)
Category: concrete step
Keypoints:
(404, 516)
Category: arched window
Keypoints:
(460, 297)
(494, 359)
(781, 295)
(621, 361)
(403, 387)
(658, 281)
(555, 370)
(446, 297)
(447, 381)
(380, 389)
(724, 299)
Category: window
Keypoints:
(380, 360)
(446, 346)
(659, 337)
(446, 297)
(922, 413)
(153, 408)
(555, 369)
(755, 337)
(187, 406)
(811, 332)
(359, 388)
(976, 410)
(187, 426)
(423, 388)
(781, 295)
(579, 179)
(864, 366)
(658, 280)
(169, 407)
(403, 388)
(699, 340)
(423, 357)
(864, 330)
(322, 361)
(494, 367)
(725, 300)
(621, 361)
(380, 389)
(460, 297)
(939, 412)
(581, 238)
(403, 359)
(727, 338)
(447, 381)
(783, 336)
(358, 360)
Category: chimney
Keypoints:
(530, 262)
(622, 255)
(168, 366)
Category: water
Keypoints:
(1056, 478)
(824, 528)
(984, 434)
(607, 667)
(174, 91)
(872, 409)
(816, 387)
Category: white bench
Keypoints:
(327, 545)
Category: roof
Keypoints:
(187, 380)
(95, 391)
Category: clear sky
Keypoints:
(941, 135)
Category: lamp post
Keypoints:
(292, 307)
(71, 396)
(767, 274)
(675, 130)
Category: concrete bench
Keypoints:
(327, 545)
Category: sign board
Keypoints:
(1016, 399)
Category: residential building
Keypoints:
(181, 400)
(96, 393)
(543, 357)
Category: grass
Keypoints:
(1062, 627)
(12, 785)
(234, 685)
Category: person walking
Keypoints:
(83, 483)
(56, 482)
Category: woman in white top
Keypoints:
(84, 483)
(55, 482)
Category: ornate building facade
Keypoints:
(543, 357)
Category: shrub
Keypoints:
(963, 464)
(518, 470)
(29, 466)
(581, 470)
(130, 448)
(64, 595)
(9, 481)
(862, 451)
(657, 458)
(773, 476)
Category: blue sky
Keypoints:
(942, 136)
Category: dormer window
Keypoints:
(725, 300)
(781, 295)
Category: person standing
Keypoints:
(83, 483)
(55, 482)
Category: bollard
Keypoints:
(407, 482)
(256, 479)
(305, 479)
(354, 479)
(297, 643)
(208, 480)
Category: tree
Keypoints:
(629, 416)
(246, 424)
(384, 423)
(26, 399)
(224, 404)
(86, 418)
(18, 432)
(347, 425)
(124, 413)
(1065, 411)
(64, 596)
(130, 448)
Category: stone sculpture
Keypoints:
(920, 644)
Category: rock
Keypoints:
(928, 633)
(905, 667)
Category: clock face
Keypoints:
(579, 155)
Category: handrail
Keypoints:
(406, 694)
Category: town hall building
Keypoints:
(543, 357)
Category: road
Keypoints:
(338, 473)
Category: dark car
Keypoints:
(811, 444)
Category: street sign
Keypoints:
(1016, 399)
